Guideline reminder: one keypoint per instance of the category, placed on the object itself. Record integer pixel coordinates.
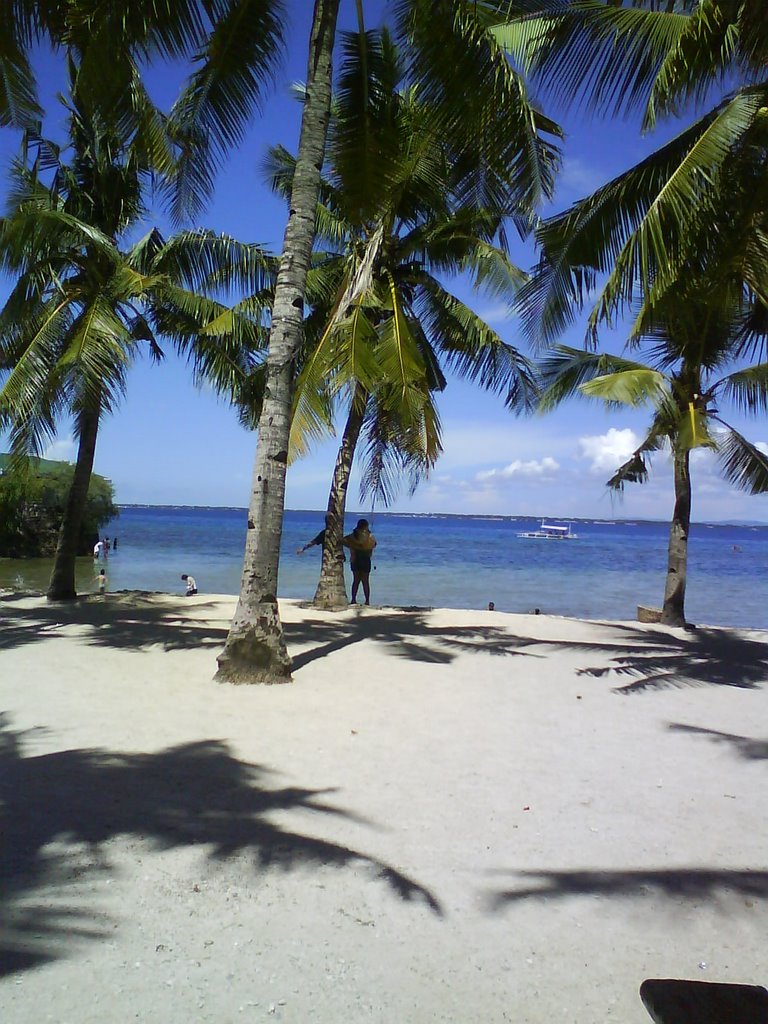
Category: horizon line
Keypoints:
(459, 515)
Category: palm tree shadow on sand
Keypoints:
(648, 659)
(403, 634)
(745, 746)
(730, 888)
(645, 659)
(61, 809)
(130, 620)
(655, 659)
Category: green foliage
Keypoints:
(88, 298)
(33, 497)
(397, 214)
(645, 230)
(233, 46)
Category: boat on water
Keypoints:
(550, 531)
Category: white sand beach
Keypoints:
(448, 816)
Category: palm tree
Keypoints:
(496, 133)
(83, 305)
(255, 649)
(389, 221)
(659, 57)
(233, 45)
(695, 334)
(686, 222)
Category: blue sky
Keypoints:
(172, 443)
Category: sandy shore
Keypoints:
(449, 816)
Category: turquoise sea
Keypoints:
(446, 561)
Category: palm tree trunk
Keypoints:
(62, 585)
(673, 612)
(331, 591)
(255, 650)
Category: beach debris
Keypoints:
(703, 965)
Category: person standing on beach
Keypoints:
(101, 581)
(318, 540)
(191, 585)
(361, 543)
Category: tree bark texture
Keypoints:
(62, 584)
(331, 591)
(673, 611)
(255, 650)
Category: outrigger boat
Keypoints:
(550, 532)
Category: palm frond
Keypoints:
(743, 464)
(395, 452)
(203, 261)
(632, 228)
(747, 389)
(564, 370)
(638, 386)
(692, 428)
(471, 348)
(494, 272)
(18, 96)
(506, 145)
(363, 144)
(235, 66)
(605, 55)
(635, 470)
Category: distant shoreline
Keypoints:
(498, 517)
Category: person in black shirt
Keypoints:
(319, 539)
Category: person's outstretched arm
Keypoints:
(315, 540)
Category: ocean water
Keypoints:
(445, 561)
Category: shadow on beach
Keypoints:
(125, 621)
(648, 659)
(640, 658)
(61, 810)
(656, 659)
(747, 748)
(727, 886)
(410, 635)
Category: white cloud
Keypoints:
(763, 446)
(608, 451)
(578, 178)
(540, 468)
(62, 450)
(497, 314)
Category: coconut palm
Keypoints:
(499, 137)
(388, 222)
(694, 334)
(85, 302)
(233, 46)
(659, 57)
